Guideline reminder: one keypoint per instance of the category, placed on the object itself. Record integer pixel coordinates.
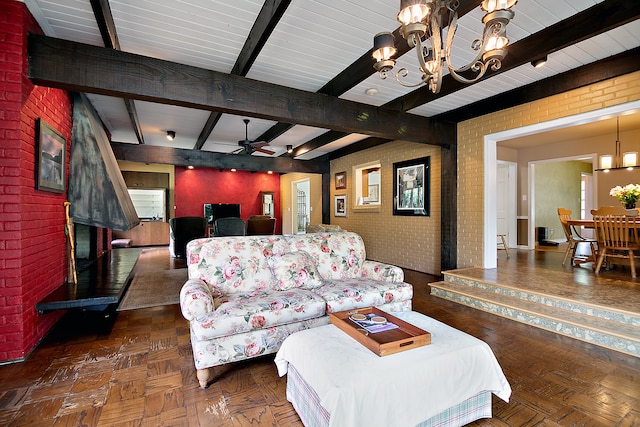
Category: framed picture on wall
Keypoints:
(341, 180)
(340, 208)
(411, 187)
(374, 193)
(51, 158)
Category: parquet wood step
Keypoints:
(620, 336)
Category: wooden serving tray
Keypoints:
(383, 343)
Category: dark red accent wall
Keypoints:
(195, 187)
(33, 255)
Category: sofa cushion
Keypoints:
(260, 309)
(235, 264)
(295, 270)
(336, 255)
(362, 292)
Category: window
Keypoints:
(367, 184)
(149, 204)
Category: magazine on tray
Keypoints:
(372, 323)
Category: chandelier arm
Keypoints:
(435, 49)
(476, 65)
(402, 73)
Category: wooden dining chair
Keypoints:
(617, 235)
(574, 239)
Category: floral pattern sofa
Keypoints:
(246, 294)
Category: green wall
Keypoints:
(557, 185)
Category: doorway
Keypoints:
(300, 205)
(490, 169)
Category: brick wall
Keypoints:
(411, 242)
(33, 245)
(471, 134)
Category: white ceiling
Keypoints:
(313, 42)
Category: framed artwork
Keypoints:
(340, 208)
(411, 187)
(341, 180)
(51, 161)
(374, 193)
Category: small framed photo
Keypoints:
(374, 193)
(51, 161)
(341, 180)
(340, 208)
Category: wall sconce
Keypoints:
(171, 135)
(289, 149)
(190, 167)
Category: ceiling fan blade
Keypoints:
(265, 151)
(258, 144)
(238, 151)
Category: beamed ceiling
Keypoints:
(301, 70)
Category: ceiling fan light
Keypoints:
(413, 11)
(289, 149)
(171, 135)
(630, 159)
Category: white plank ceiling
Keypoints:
(313, 42)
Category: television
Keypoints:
(213, 211)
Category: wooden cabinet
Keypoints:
(135, 179)
(147, 233)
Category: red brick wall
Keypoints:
(194, 188)
(33, 257)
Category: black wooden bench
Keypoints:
(100, 286)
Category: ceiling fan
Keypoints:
(248, 146)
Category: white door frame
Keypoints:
(490, 166)
(294, 203)
(512, 203)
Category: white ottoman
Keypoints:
(335, 381)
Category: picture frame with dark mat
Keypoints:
(51, 158)
(340, 206)
(411, 187)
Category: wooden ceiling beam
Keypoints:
(84, 68)
(316, 143)
(200, 158)
(608, 68)
(268, 18)
(104, 19)
(360, 70)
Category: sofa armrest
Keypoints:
(195, 299)
(381, 271)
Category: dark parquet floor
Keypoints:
(137, 370)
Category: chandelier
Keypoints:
(429, 27)
(629, 160)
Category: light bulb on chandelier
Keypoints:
(423, 26)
